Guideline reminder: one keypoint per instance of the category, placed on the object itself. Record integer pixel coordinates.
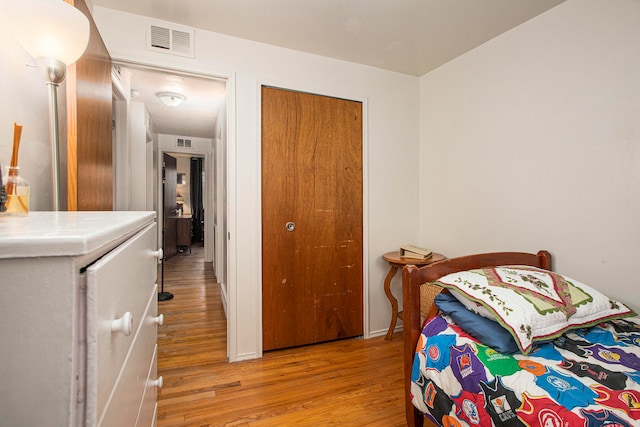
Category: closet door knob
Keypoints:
(123, 324)
(159, 320)
(157, 383)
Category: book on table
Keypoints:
(415, 252)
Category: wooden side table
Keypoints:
(183, 238)
(396, 262)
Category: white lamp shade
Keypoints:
(49, 28)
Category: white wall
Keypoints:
(138, 157)
(391, 101)
(218, 209)
(121, 113)
(151, 175)
(533, 141)
(25, 101)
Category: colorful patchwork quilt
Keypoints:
(587, 377)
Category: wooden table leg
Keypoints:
(394, 302)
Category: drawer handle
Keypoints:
(157, 383)
(159, 320)
(158, 254)
(123, 324)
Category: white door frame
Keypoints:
(224, 246)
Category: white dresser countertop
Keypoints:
(65, 233)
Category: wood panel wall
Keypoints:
(89, 115)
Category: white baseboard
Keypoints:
(382, 332)
(245, 356)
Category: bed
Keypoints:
(498, 339)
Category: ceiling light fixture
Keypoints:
(171, 99)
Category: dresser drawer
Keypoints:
(127, 399)
(147, 414)
(118, 287)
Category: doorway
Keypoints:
(184, 189)
(312, 218)
(145, 129)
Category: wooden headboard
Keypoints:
(413, 277)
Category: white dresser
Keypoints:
(78, 308)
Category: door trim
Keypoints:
(229, 213)
(365, 198)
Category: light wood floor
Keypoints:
(353, 382)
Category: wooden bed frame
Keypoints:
(413, 277)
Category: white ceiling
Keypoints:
(407, 36)
(195, 117)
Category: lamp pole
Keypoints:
(55, 72)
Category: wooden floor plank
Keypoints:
(353, 382)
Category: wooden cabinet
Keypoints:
(80, 308)
(184, 232)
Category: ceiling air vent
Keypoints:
(171, 40)
(183, 143)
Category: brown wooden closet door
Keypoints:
(311, 177)
(89, 143)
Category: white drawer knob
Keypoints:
(123, 324)
(158, 254)
(159, 320)
(157, 383)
